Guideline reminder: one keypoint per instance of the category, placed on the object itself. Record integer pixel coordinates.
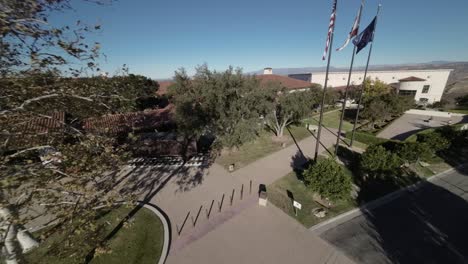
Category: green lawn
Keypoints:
(356, 144)
(331, 120)
(261, 147)
(277, 194)
(459, 111)
(139, 241)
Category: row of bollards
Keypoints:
(208, 211)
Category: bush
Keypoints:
(366, 138)
(434, 140)
(379, 161)
(412, 152)
(327, 178)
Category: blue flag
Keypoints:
(365, 36)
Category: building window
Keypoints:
(407, 92)
(423, 100)
(426, 89)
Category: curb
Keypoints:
(167, 231)
(344, 217)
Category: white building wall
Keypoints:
(437, 79)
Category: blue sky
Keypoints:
(155, 38)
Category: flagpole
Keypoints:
(319, 132)
(343, 108)
(364, 80)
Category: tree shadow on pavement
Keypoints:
(323, 146)
(295, 142)
(146, 182)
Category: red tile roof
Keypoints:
(42, 125)
(285, 81)
(127, 122)
(412, 79)
(36, 131)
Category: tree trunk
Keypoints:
(280, 132)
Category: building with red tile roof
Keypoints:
(287, 82)
(128, 122)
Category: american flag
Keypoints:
(330, 29)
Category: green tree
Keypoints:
(375, 88)
(289, 108)
(69, 177)
(385, 106)
(227, 105)
(378, 161)
(397, 105)
(374, 111)
(327, 178)
(30, 42)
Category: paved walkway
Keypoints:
(177, 198)
(183, 192)
(259, 235)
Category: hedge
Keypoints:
(366, 138)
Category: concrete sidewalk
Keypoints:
(186, 193)
(259, 235)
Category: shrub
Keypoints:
(328, 178)
(379, 161)
(434, 140)
(414, 151)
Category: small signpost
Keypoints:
(296, 206)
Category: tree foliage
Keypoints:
(412, 152)
(72, 175)
(381, 102)
(377, 161)
(80, 97)
(435, 140)
(30, 42)
(328, 178)
(226, 105)
(375, 88)
(289, 108)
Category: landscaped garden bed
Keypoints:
(384, 168)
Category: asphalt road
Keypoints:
(429, 225)
(410, 124)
